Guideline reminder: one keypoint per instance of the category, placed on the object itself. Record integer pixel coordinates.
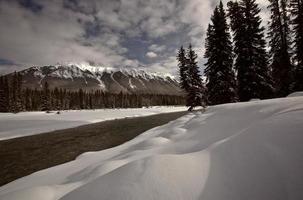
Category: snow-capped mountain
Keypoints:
(73, 77)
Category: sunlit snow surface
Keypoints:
(30, 123)
(251, 151)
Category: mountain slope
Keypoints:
(73, 77)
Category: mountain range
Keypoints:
(73, 77)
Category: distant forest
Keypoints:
(14, 98)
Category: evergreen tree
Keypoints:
(221, 82)
(253, 74)
(27, 99)
(2, 96)
(196, 90)
(297, 22)
(279, 46)
(56, 96)
(13, 89)
(90, 101)
(46, 98)
(6, 90)
(16, 93)
(19, 94)
(183, 70)
(81, 98)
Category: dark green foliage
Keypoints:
(183, 70)
(46, 98)
(251, 63)
(279, 46)
(297, 21)
(16, 96)
(4, 95)
(221, 83)
(81, 98)
(67, 100)
(190, 79)
(196, 90)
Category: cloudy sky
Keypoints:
(111, 33)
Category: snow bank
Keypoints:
(296, 94)
(255, 100)
(239, 151)
(30, 123)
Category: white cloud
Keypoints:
(157, 48)
(168, 65)
(57, 34)
(54, 36)
(151, 54)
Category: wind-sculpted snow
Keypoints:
(250, 151)
(296, 94)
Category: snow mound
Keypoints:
(235, 151)
(153, 142)
(255, 100)
(296, 94)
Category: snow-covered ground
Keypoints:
(251, 151)
(30, 123)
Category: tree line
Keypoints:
(239, 67)
(15, 98)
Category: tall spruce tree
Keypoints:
(196, 90)
(6, 97)
(81, 98)
(46, 97)
(253, 74)
(16, 93)
(183, 70)
(297, 22)
(13, 94)
(2, 95)
(221, 82)
(19, 93)
(279, 46)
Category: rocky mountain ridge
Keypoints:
(73, 77)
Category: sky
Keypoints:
(110, 33)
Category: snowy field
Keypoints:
(30, 123)
(251, 151)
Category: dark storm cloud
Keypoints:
(31, 5)
(113, 33)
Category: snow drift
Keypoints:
(296, 94)
(231, 152)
